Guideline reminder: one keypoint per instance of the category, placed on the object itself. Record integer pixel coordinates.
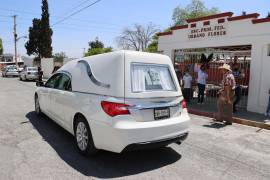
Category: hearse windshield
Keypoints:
(151, 77)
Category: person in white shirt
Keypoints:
(187, 80)
(202, 77)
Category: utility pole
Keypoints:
(15, 39)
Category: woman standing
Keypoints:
(202, 77)
(226, 94)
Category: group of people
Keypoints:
(201, 83)
(228, 96)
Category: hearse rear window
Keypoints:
(150, 77)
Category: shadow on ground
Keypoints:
(214, 125)
(241, 113)
(105, 164)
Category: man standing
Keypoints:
(238, 76)
(226, 94)
(187, 80)
(202, 77)
(178, 74)
(40, 75)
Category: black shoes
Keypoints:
(228, 123)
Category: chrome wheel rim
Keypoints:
(37, 106)
(82, 136)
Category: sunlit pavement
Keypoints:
(37, 148)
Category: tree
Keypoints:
(193, 10)
(97, 47)
(153, 46)
(33, 44)
(1, 47)
(138, 37)
(96, 44)
(59, 57)
(40, 33)
(45, 31)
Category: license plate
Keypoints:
(161, 113)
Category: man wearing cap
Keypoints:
(226, 94)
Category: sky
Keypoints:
(104, 20)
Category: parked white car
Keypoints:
(29, 73)
(10, 71)
(117, 101)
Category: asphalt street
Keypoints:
(36, 148)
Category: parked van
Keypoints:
(117, 101)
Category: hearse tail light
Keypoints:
(114, 109)
(184, 104)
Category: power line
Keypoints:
(5, 21)
(96, 26)
(5, 16)
(19, 11)
(76, 12)
(73, 19)
(74, 26)
(79, 5)
(89, 29)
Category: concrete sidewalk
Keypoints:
(242, 116)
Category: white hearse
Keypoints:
(117, 101)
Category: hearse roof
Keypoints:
(104, 74)
(127, 53)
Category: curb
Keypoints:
(235, 119)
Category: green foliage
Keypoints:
(97, 47)
(59, 57)
(40, 33)
(36, 61)
(45, 31)
(96, 44)
(33, 43)
(193, 10)
(153, 46)
(96, 51)
(1, 47)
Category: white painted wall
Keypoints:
(47, 67)
(240, 32)
(27, 61)
(48, 64)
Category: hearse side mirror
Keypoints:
(39, 83)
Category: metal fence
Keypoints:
(189, 60)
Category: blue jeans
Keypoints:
(268, 107)
(201, 88)
(237, 95)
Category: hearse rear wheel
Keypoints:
(83, 137)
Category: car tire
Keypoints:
(20, 78)
(37, 106)
(83, 137)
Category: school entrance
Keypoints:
(190, 60)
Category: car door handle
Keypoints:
(59, 92)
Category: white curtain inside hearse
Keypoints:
(149, 77)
